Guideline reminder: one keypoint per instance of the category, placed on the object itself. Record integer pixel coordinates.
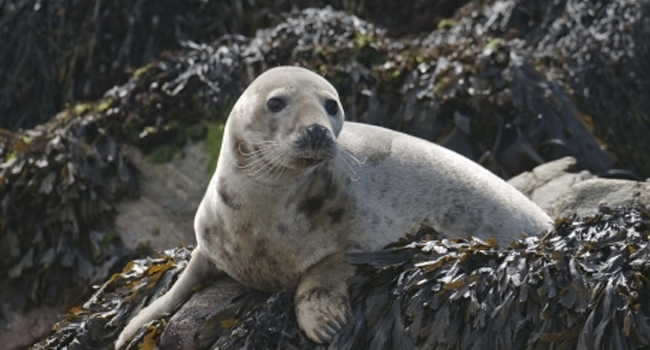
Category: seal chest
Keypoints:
(296, 188)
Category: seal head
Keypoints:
(285, 122)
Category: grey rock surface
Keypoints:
(584, 198)
(549, 182)
(163, 216)
(181, 330)
(23, 328)
(562, 192)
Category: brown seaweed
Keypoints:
(57, 189)
(583, 285)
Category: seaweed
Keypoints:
(94, 324)
(583, 284)
(55, 53)
(486, 83)
(57, 189)
(596, 50)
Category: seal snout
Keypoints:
(316, 144)
(318, 137)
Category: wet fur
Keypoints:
(271, 219)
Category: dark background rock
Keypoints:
(601, 51)
(60, 52)
(54, 53)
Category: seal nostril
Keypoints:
(316, 130)
(318, 135)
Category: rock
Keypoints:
(163, 215)
(580, 286)
(562, 192)
(180, 331)
(584, 198)
(23, 329)
(547, 183)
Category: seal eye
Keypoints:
(275, 104)
(331, 107)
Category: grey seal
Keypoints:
(296, 188)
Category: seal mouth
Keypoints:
(309, 161)
(320, 157)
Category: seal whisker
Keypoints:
(270, 165)
(345, 171)
(259, 160)
(260, 149)
(259, 168)
(253, 167)
(347, 162)
(275, 173)
(282, 166)
(353, 159)
(257, 165)
(260, 157)
(269, 172)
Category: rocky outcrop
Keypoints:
(582, 285)
(24, 328)
(163, 215)
(562, 191)
(547, 183)
(584, 198)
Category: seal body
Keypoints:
(296, 188)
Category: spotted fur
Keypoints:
(282, 210)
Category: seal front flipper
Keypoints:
(322, 299)
(199, 269)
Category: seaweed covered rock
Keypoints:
(94, 324)
(583, 285)
(600, 50)
(60, 181)
(58, 52)
(489, 83)
(57, 188)
(492, 82)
